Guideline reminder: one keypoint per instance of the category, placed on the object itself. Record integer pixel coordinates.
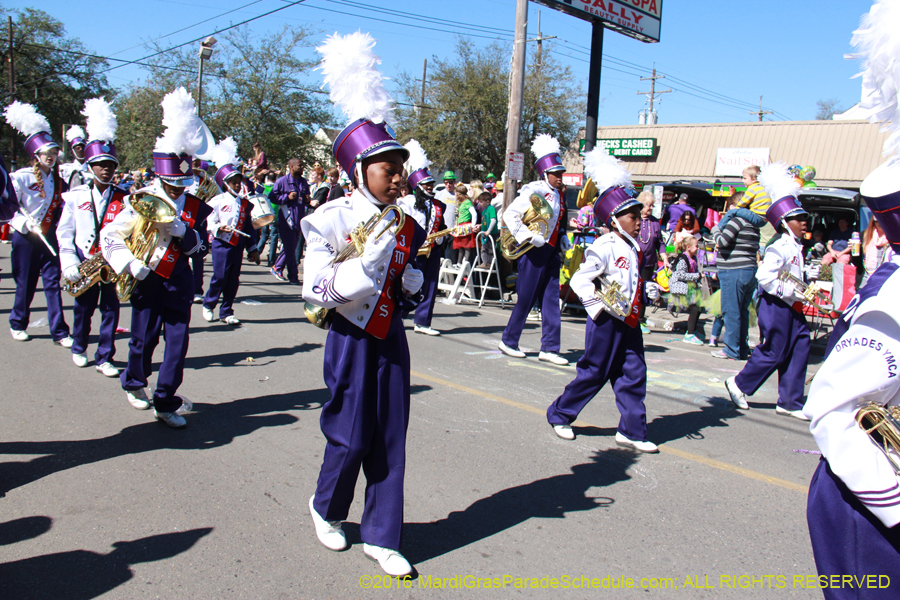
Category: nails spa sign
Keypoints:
(639, 19)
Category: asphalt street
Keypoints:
(97, 500)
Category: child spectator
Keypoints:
(465, 214)
(754, 204)
(489, 225)
(684, 292)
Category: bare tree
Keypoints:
(827, 109)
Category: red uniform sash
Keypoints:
(559, 220)
(116, 204)
(438, 213)
(189, 215)
(633, 319)
(47, 221)
(233, 240)
(380, 322)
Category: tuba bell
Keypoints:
(882, 425)
(537, 219)
(208, 189)
(320, 316)
(151, 210)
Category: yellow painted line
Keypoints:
(710, 462)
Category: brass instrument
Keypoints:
(151, 210)
(882, 424)
(610, 295)
(464, 229)
(321, 317)
(810, 292)
(537, 219)
(92, 270)
(587, 193)
(208, 189)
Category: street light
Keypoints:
(205, 53)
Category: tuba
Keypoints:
(882, 424)
(537, 219)
(810, 292)
(320, 316)
(151, 210)
(208, 189)
(92, 270)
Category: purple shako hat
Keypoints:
(548, 164)
(361, 139)
(881, 193)
(39, 141)
(612, 202)
(787, 206)
(420, 176)
(100, 150)
(174, 169)
(226, 172)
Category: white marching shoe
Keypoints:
(564, 431)
(329, 532)
(553, 358)
(19, 335)
(514, 352)
(231, 320)
(66, 342)
(391, 561)
(797, 414)
(138, 398)
(426, 330)
(107, 369)
(208, 315)
(648, 447)
(80, 360)
(737, 396)
(173, 420)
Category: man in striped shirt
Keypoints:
(736, 246)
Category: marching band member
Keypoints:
(9, 203)
(853, 507)
(88, 209)
(34, 254)
(429, 214)
(538, 279)
(366, 354)
(162, 295)
(785, 345)
(232, 228)
(76, 172)
(613, 344)
(200, 188)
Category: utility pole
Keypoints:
(593, 92)
(760, 112)
(424, 72)
(12, 92)
(653, 93)
(516, 92)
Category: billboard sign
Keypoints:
(731, 162)
(640, 19)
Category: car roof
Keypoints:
(818, 197)
(698, 192)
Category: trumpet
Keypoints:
(464, 229)
(320, 316)
(810, 292)
(92, 270)
(151, 210)
(882, 424)
(610, 294)
(536, 218)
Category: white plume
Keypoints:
(878, 47)
(75, 131)
(417, 157)
(606, 170)
(183, 127)
(25, 119)
(778, 181)
(101, 121)
(543, 145)
(225, 153)
(350, 69)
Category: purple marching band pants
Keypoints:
(538, 280)
(226, 277)
(31, 260)
(431, 268)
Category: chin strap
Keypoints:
(618, 227)
(361, 186)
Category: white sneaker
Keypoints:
(514, 352)
(553, 357)
(648, 447)
(107, 369)
(208, 315)
(230, 320)
(171, 419)
(186, 406)
(198, 299)
(534, 315)
(80, 360)
(138, 398)
(66, 342)
(19, 335)
(564, 431)
(426, 330)
(737, 396)
(797, 414)
(328, 532)
(391, 561)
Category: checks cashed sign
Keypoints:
(639, 19)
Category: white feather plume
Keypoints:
(417, 157)
(543, 145)
(183, 127)
(75, 131)
(878, 47)
(606, 170)
(225, 153)
(25, 119)
(778, 181)
(350, 69)
(101, 121)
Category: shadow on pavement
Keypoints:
(239, 358)
(26, 528)
(691, 424)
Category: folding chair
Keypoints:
(480, 278)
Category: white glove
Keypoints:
(412, 279)
(377, 250)
(138, 269)
(537, 240)
(176, 228)
(72, 274)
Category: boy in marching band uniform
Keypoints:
(39, 189)
(613, 343)
(785, 345)
(232, 227)
(87, 210)
(200, 188)
(538, 279)
(429, 214)
(76, 172)
(366, 354)
(164, 289)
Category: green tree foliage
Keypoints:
(52, 71)
(463, 123)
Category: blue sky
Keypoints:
(719, 56)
